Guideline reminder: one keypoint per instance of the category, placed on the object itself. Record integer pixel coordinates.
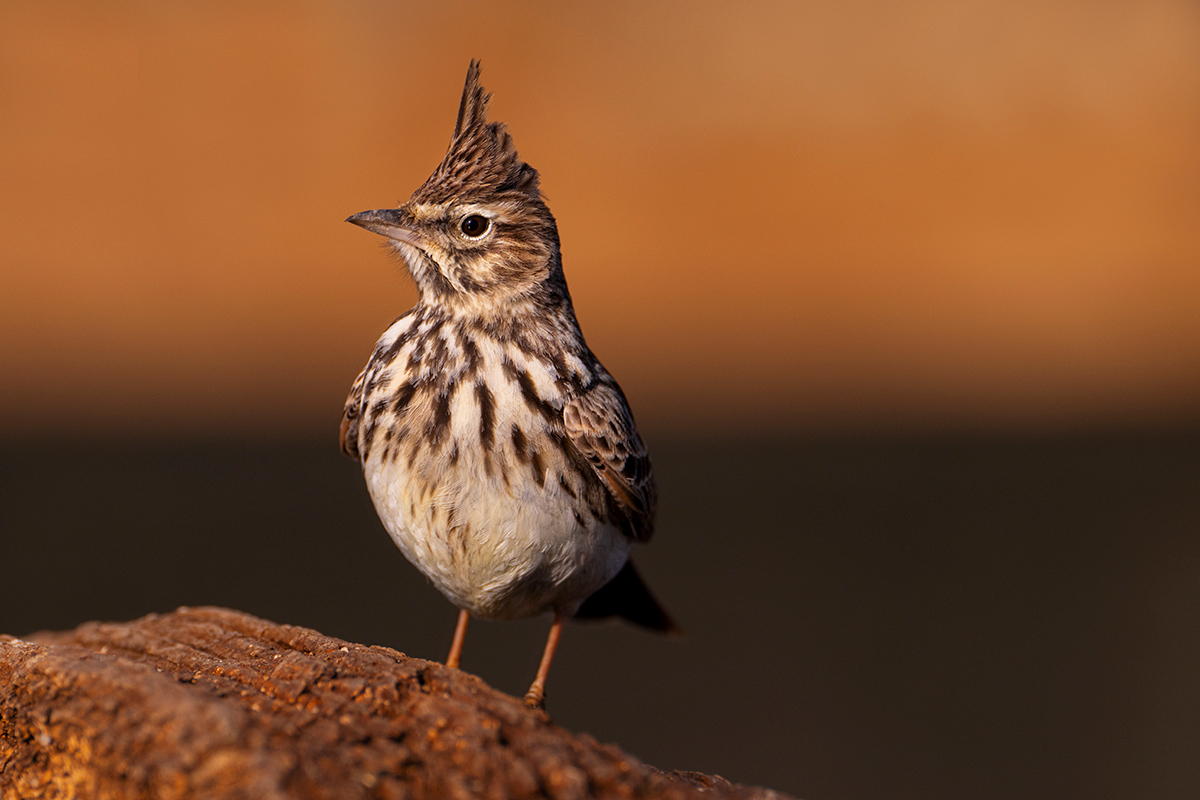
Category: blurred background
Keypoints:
(906, 298)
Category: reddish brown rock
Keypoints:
(207, 702)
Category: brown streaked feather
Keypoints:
(351, 415)
(481, 159)
(472, 109)
(601, 427)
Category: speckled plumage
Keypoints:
(500, 454)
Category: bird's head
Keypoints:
(477, 234)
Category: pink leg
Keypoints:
(456, 645)
(536, 696)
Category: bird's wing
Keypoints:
(601, 427)
(351, 414)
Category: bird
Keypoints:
(500, 455)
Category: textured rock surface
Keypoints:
(208, 702)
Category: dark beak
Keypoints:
(389, 222)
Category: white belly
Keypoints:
(499, 549)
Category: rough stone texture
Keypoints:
(208, 702)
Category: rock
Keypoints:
(209, 702)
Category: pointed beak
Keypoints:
(388, 222)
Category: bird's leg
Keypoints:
(456, 644)
(536, 696)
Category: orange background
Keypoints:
(850, 215)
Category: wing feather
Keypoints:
(352, 415)
(601, 427)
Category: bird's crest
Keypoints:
(482, 162)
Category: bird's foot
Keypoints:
(535, 698)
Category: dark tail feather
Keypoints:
(626, 596)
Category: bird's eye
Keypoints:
(475, 225)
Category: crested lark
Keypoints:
(501, 456)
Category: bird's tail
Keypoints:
(627, 596)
